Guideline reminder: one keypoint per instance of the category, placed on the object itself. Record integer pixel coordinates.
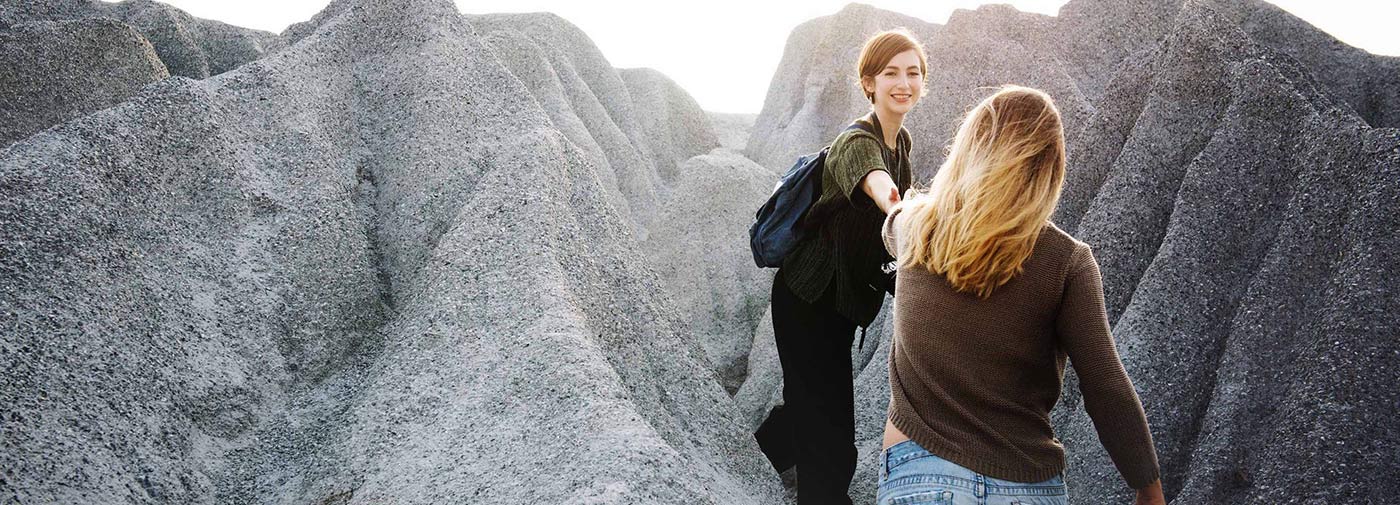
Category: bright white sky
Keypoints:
(724, 52)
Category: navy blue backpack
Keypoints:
(777, 226)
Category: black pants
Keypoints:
(817, 424)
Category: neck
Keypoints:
(889, 126)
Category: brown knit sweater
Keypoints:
(973, 380)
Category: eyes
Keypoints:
(891, 73)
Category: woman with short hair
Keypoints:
(832, 281)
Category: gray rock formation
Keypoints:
(812, 95)
(589, 101)
(1255, 238)
(1072, 56)
(762, 389)
(705, 257)
(369, 267)
(732, 129)
(1239, 203)
(706, 260)
(961, 72)
(653, 148)
(1096, 36)
(67, 58)
(51, 72)
(188, 46)
(674, 125)
(405, 255)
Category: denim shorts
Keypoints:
(910, 475)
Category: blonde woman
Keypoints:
(832, 281)
(993, 298)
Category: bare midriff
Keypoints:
(892, 434)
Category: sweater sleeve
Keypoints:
(1109, 398)
(890, 230)
(851, 158)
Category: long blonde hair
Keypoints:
(979, 220)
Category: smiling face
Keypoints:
(897, 86)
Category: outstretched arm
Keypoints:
(855, 164)
(881, 188)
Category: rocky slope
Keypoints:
(64, 59)
(659, 158)
(188, 46)
(1259, 236)
(1096, 36)
(732, 129)
(368, 267)
(1240, 197)
(398, 254)
(1072, 56)
(55, 71)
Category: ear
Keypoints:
(867, 84)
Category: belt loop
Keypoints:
(980, 489)
(884, 464)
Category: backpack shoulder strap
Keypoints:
(862, 125)
(858, 124)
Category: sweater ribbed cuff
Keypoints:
(936, 445)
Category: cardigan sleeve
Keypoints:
(851, 158)
(1109, 398)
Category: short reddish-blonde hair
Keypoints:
(880, 49)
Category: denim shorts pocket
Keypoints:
(1040, 500)
(921, 497)
(1051, 494)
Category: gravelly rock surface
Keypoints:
(732, 129)
(1257, 238)
(368, 267)
(1241, 202)
(67, 58)
(1096, 36)
(812, 96)
(189, 46)
(1072, 56)
(51, 72)
(705, 259)
(674, 125)
(585, 97)
(411, 256)
(762, 389)
(654, 149)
